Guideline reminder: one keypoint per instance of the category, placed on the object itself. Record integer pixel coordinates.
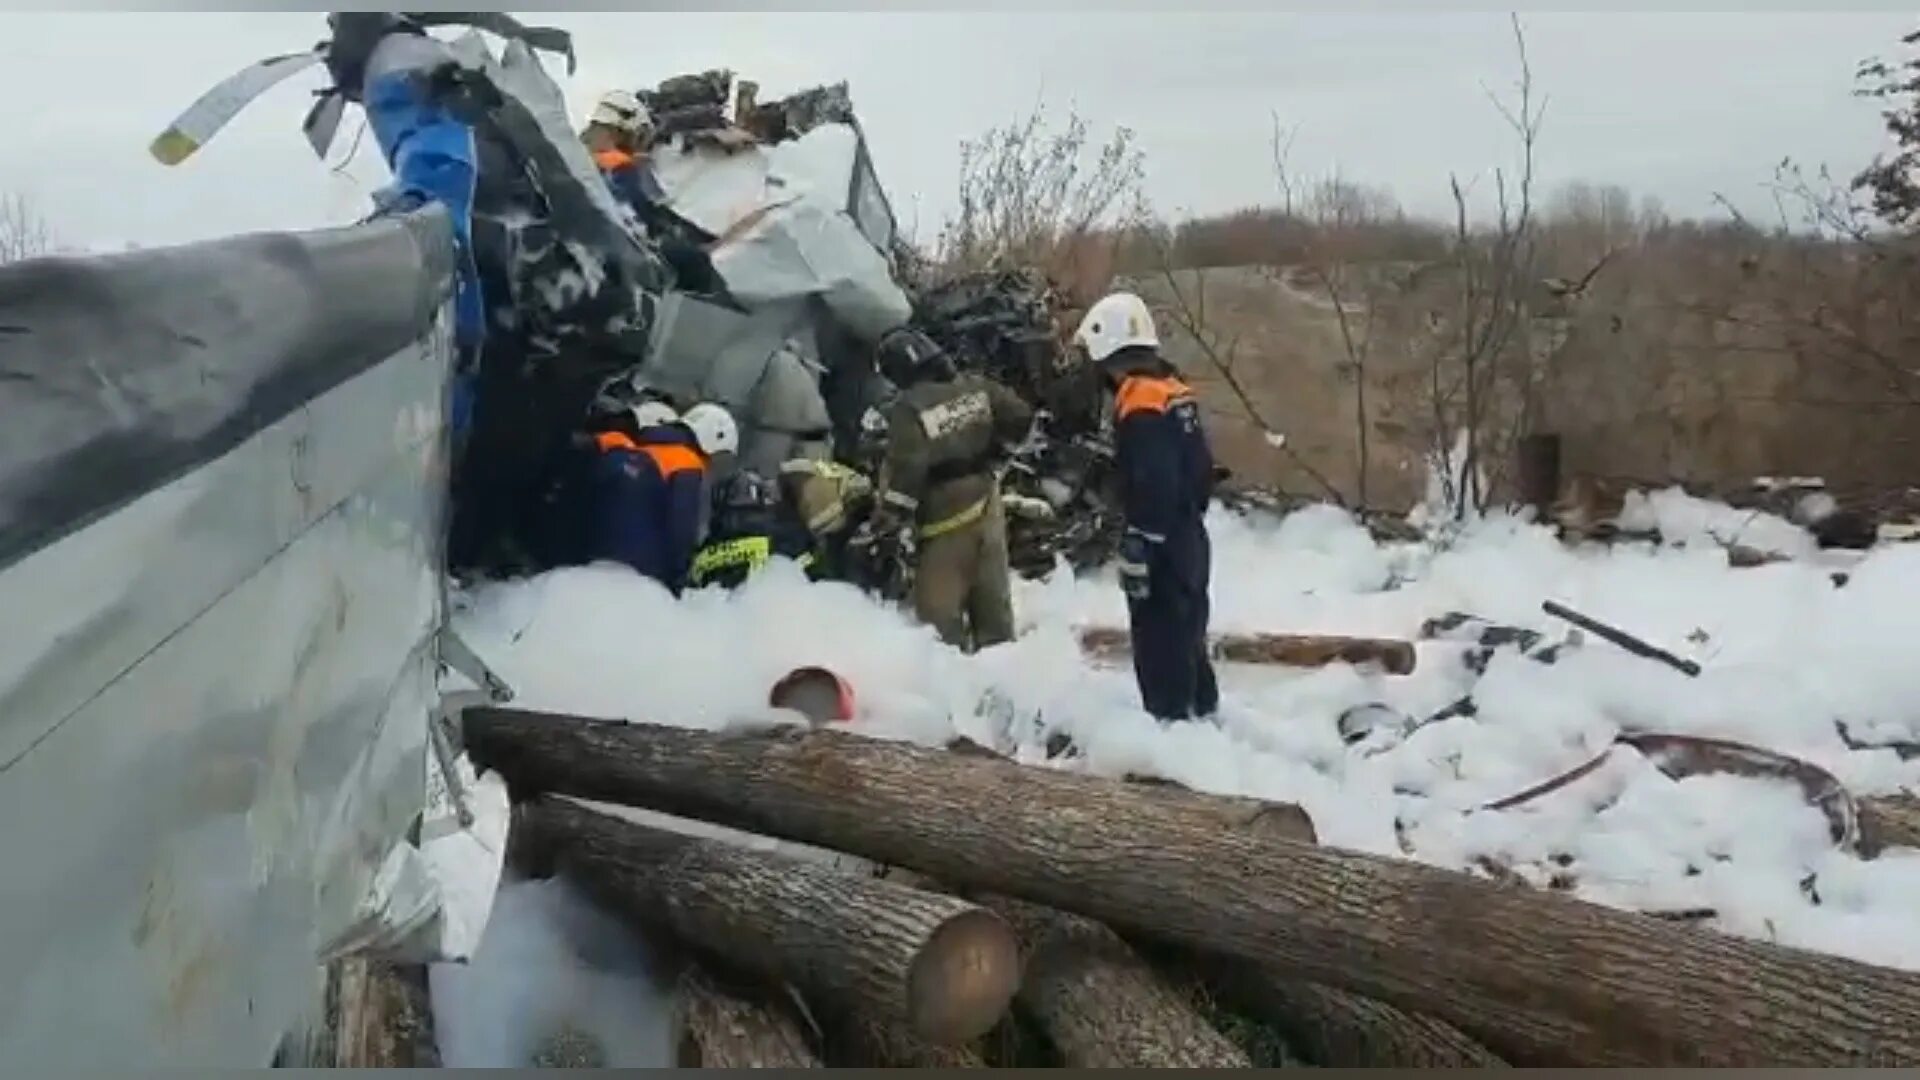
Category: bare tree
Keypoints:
(1187, 309)
(23, 233)
(1837, 283)
(1891, 181)
(1034, 195)
(1472, 367)
(1338, 214)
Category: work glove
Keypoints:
(888, 549)
(891, 536)
(1136, 551)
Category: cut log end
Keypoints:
(963, 979)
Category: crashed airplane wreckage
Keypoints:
(769, 268)
(809, 269)
(269, 815)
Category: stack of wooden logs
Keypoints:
(1017, 915)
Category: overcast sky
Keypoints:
(1677, 106)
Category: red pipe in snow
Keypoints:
(819, 694)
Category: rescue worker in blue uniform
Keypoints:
(648, 490)
(618, 134)
(563, 525)
(1165, 474)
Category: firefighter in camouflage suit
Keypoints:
(938, 513)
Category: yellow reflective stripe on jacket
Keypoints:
(829, 470)
(829, 517)
(749, 551)
(955, 521)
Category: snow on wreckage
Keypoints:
(1756, 845)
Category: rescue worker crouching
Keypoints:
(648, 490)
(751, 526)
(829, 500)
(938, 509)
(1165, 473)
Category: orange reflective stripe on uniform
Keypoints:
(673, 458)
(669, 458)
(609, 160)
(1146, 394)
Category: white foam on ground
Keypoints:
(1785, 655)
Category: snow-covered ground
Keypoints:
(1785, 655)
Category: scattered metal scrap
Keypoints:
(1681, 756)
(1621, 638)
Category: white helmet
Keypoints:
(713, 428)
(653, 413)
(1117, 321)
(622, 111)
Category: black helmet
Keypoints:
(907, 356)
(748, 490)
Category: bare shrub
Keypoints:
(23, 232)
(1038, 195)
(1481, 390)
(1345, 222)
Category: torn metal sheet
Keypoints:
(94, 420)
(787, 397)
(537, 120)
(220, 664)
(706, 351)
(570, 260)
(710, 188)
(803, 248)
(759, 365)
(715, 188)
(794, 219)
(430, 903)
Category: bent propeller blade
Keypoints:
(323, 120)
(210, 112)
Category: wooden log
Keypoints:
(1888, 821)
(569, 1047)
(717, 1029)
(1259, 1041)
(930, 964)
(1337, 1029)
(1539, 978)
(1288, 650)
(872, 1044)
(383, 1016)
(1101, 1006)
